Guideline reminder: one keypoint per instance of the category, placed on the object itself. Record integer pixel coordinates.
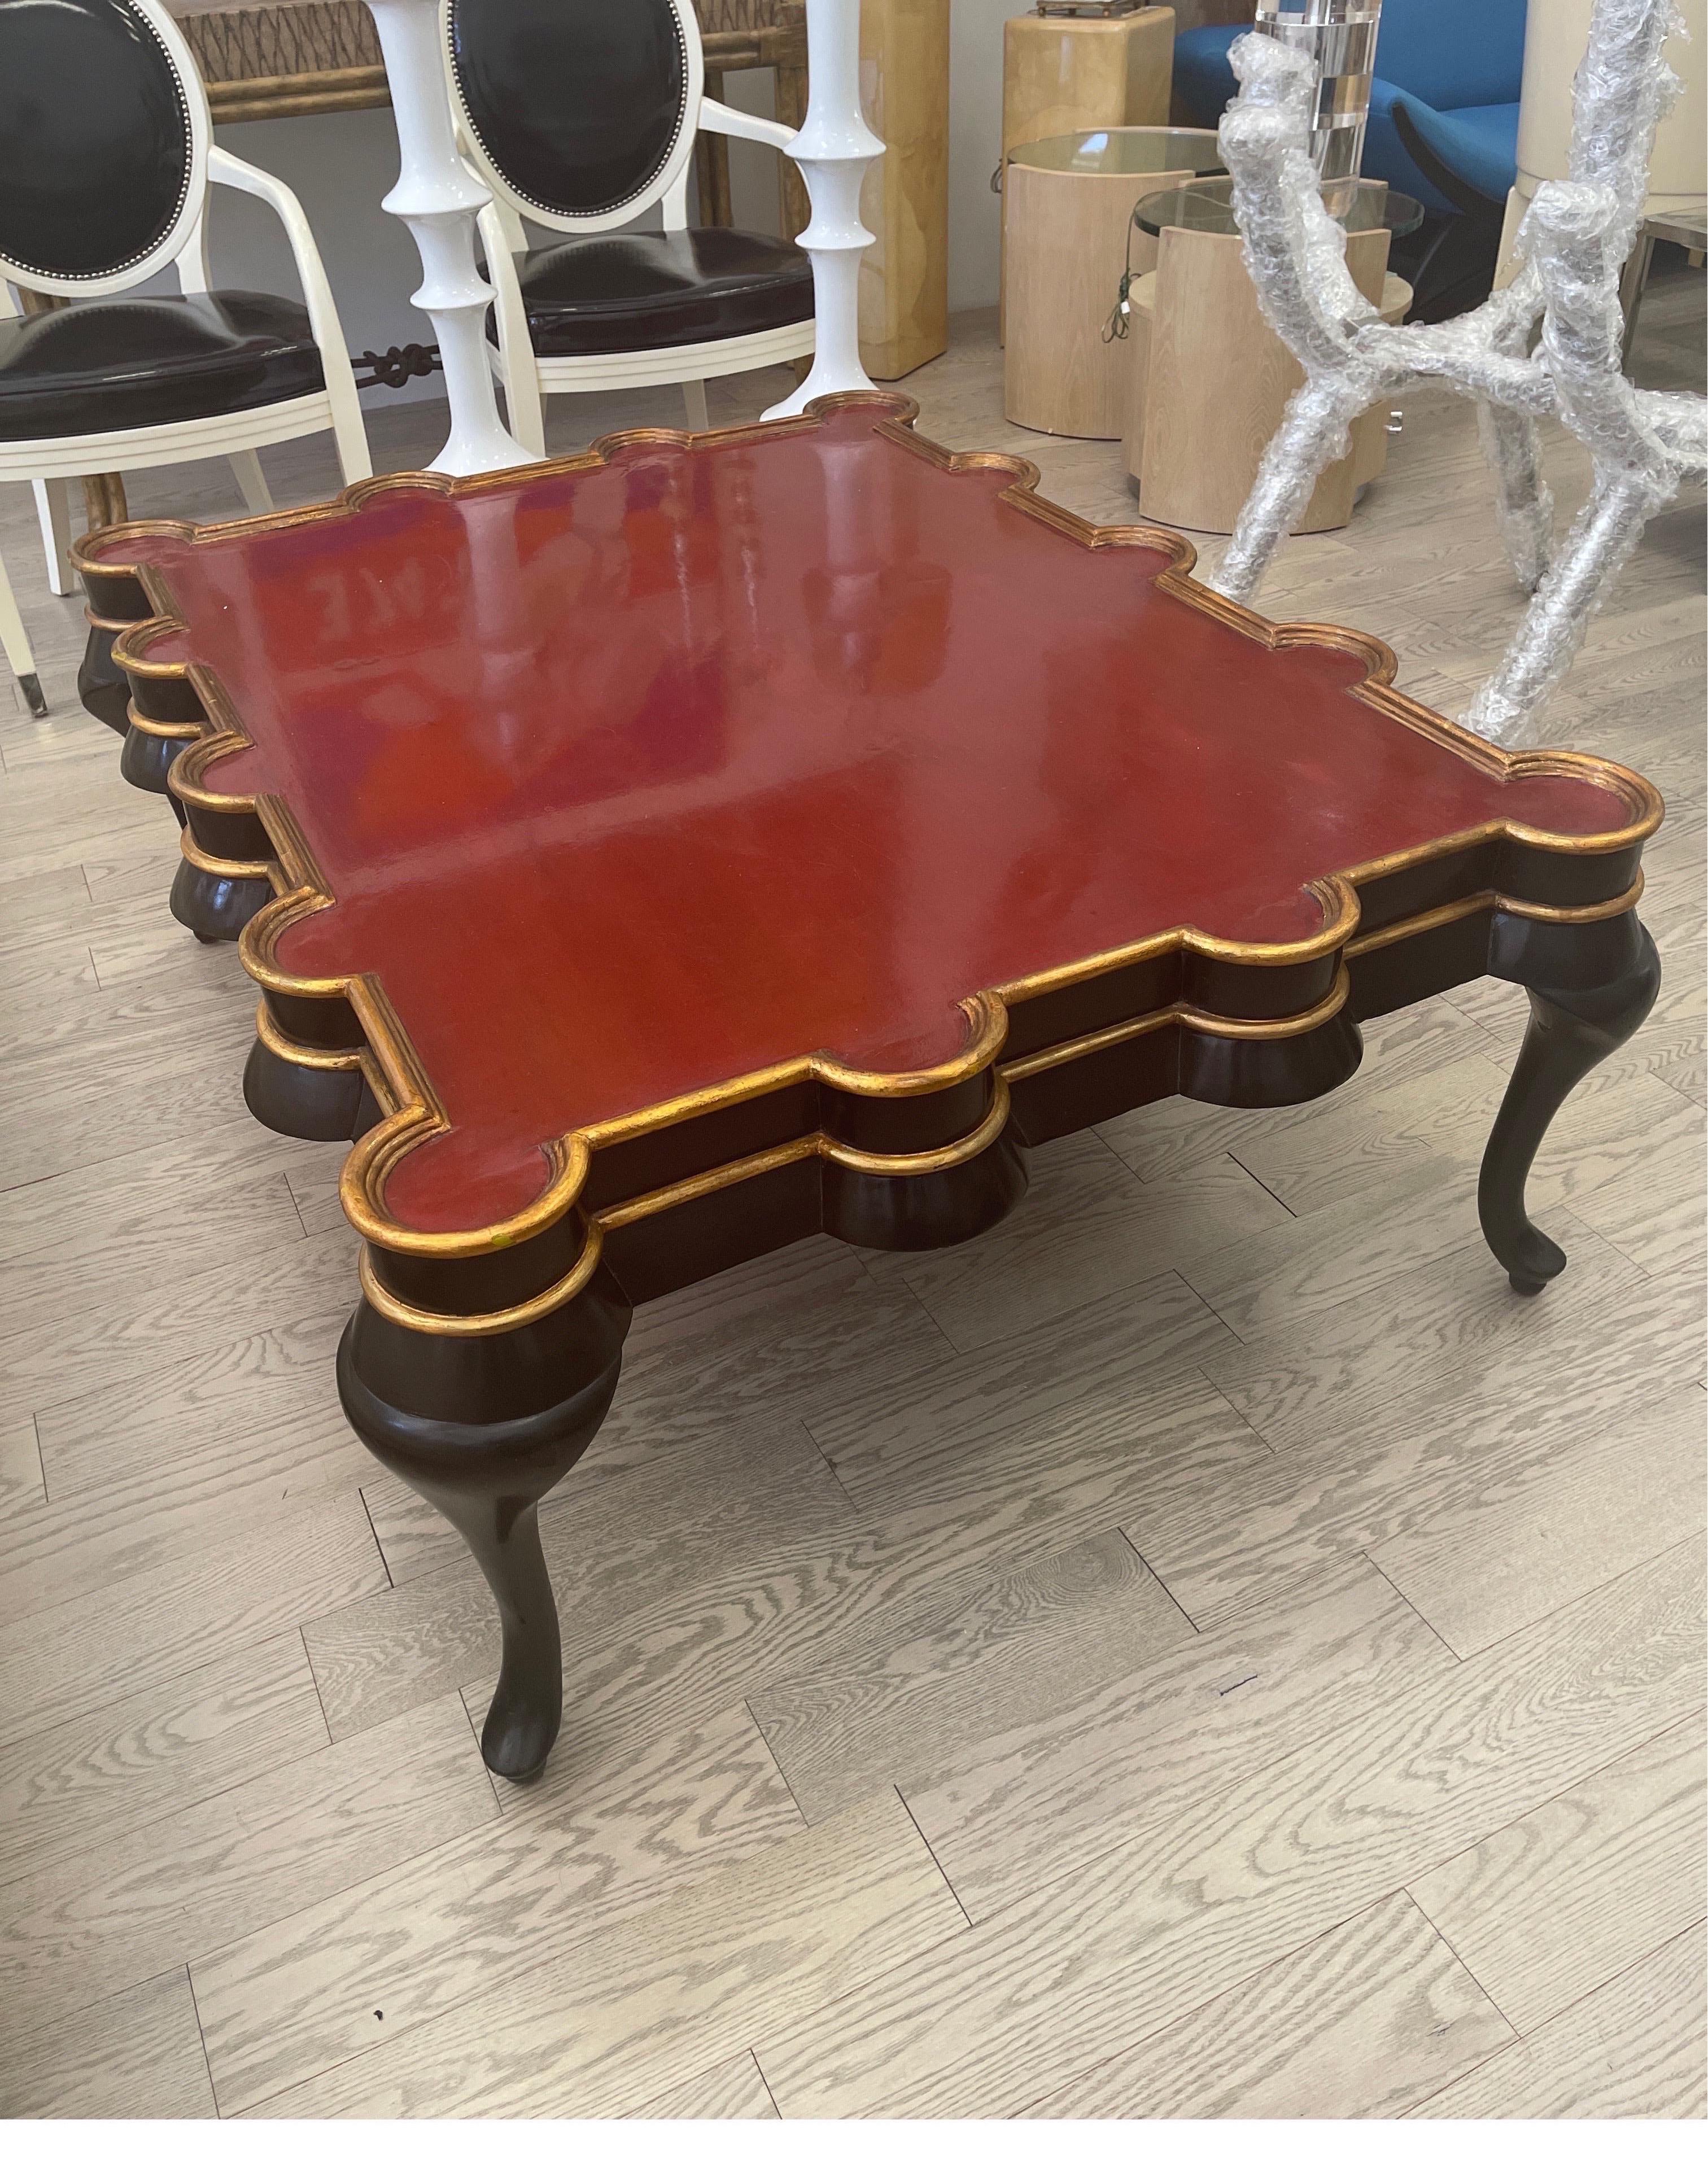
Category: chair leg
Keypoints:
(524, 399)
(350, 439)
(247, 467)
(693, 395)
(53, 508)
(15, 641)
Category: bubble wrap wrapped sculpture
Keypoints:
(1572, 243)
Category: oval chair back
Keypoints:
(580, 113)
(103, 144)
(106, 162)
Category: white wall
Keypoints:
(340, 164)
(975, 146)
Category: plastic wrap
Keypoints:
(1297, 255)
(1576, 237)
(1572, 246)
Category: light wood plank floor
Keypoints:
(1204, 1649)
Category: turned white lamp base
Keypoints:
(439, 199)
(833, 150)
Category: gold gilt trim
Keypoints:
(401, 1085)
(484, 1324)
(1488, 899)
(295, 1051)
(1183, 1012)
(487, 1323)
(151, 726)
(136, 636)
(223, 868)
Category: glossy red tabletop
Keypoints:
(635, 778)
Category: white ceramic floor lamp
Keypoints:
(439, 199)
(833, 151)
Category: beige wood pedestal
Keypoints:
(1207, 380)
(904, 275)
(1369, 432)
(1068, 243)
(1063, 73)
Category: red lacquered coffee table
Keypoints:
(652, 858)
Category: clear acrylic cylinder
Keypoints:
(1339, 37)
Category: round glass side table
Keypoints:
(1206, 207)
(1208, 379)
(1068, 205)
(1137, 151)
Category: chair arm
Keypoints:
(725, 120)
(317, 292)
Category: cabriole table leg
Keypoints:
(482, 1428)
(1590, 986)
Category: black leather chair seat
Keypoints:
(616, 293)
(132, 363)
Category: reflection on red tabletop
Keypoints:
(635, 778)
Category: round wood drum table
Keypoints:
(1207, 378)
(1067, 236)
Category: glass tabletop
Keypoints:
(1122, 150)
(1207, 207)
(1687, 224)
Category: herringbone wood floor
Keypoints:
(1205, 1648)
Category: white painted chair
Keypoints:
(581, 117)
(106, 162)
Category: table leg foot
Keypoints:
(1590, 986)
(926, 1211)
(214, 907)
(325, 1106)
(527, 1707)
(482, 1428)
(146, 762)
(102, 686)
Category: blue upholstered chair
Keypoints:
(1444, 127)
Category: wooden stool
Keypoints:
(1070, 204)
(1207, 380)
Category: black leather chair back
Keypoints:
(99, 154)
(578, 108)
